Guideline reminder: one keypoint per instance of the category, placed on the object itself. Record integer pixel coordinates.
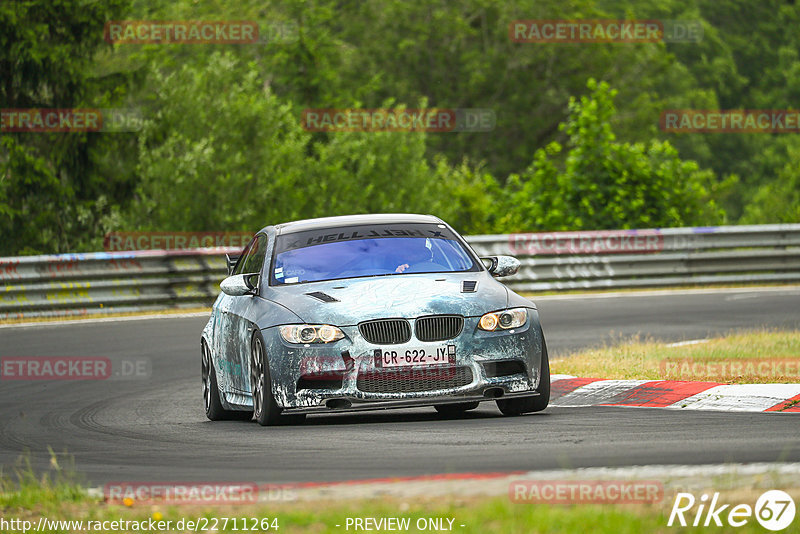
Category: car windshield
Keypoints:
(297, 261)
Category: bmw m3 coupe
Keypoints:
(368, 312)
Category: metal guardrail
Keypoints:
(91, 283)
(650, 258)
(85, 284)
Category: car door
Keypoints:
(227, 329)
(238, 352)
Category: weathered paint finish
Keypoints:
(473, 346)
(233, 321)
(411, 295)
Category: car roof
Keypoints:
(353, 220)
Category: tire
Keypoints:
(266, 411)
(213, 406)
(531, 404)
(456, 409)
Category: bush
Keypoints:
(604, 184)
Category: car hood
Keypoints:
(411, 295)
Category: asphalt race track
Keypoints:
(154, 429)
(571, 324)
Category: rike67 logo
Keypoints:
(774, 510)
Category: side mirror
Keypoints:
(239, 284)
(500, 266)
(231, 262)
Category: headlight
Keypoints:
(310, 333)
(503, 320)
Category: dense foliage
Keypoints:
(222, 148)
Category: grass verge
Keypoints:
(753, 357)
(105, 315)
(477, 515)
(57, 502)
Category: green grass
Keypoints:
(23, 490)
(637, 359)
(477, 515)
(57, 495)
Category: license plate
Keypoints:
(419, 356)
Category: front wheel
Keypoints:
(266, 411)
(531, 404)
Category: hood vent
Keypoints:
(469, 286)
(324, 297)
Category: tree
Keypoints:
(50, 192)
(605, 184)
(218, 151)
(778, 201)
(241, 161)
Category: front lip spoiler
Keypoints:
(361, 405)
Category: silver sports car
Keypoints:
(369, 312)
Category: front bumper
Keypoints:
(343, 376)
(362, 405)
